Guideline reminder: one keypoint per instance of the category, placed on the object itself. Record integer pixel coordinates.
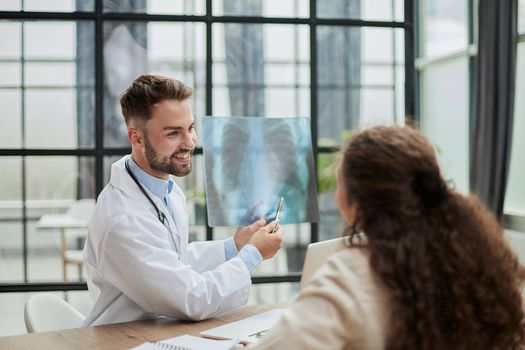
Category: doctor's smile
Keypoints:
(183, 156)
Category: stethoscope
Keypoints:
(160, 215)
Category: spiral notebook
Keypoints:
(189, 342)
(247, 330)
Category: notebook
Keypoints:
(316, 255)
(188, 342)
(247, 330)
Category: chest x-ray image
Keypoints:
(250, 162)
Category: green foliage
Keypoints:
(198, 196)
(327, 163)
(326, 172)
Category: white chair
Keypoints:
(47, 312)
(81, 211)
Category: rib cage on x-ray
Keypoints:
(258, 165)
(251, 162)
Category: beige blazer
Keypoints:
(344, 306)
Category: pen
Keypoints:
(279, 209)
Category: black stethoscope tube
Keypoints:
(162, 218)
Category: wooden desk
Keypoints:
(123, 335)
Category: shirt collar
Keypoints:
(159, 187)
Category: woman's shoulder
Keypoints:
(347, 281)
(352, 258)
(343, 269)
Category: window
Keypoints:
(340, 63)
(443, 70)
(521, 16)
(515, 194)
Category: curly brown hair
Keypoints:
(454, 282)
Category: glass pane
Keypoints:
(108, 161)
(186, 7)
(11, 258)
(377, 75)
(331, 224)
(175, 50)
(521, 16)
(445, 117)
(55, 179)
(50, 121)
(269, 293)
(264, 8)
(58, 185)
(291, 256)
(400, 95)
(11, 188)
(10, 74)
(360, 80)
(59, 80)
(62, 47)
(11, 122)
(399, 77)
(193, 187)
(254, 75)
(10, 32)
(10, 5)
(377, 107)
(445, 27)
(48, 5)
(51, 74)
(515, 195)
(373, 10)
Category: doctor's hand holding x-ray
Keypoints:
(138, 261)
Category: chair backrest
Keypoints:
(47, 312)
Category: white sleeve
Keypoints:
(206, 255)
(141, 264)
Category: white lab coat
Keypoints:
(134, 271)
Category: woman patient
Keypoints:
(425, 267)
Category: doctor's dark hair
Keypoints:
(138, 99)
(453, 281)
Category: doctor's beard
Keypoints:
(164, 164)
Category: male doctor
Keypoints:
(138, 260)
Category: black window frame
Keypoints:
(99, 17)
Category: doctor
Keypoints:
(138, 260)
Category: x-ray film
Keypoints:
(251, 162)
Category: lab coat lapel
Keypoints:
(178, 205)
(174, 231)
(121, 179)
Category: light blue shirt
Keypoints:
(159, 187)
(248, 254)
(162, 188)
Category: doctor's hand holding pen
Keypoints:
(268, 239)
